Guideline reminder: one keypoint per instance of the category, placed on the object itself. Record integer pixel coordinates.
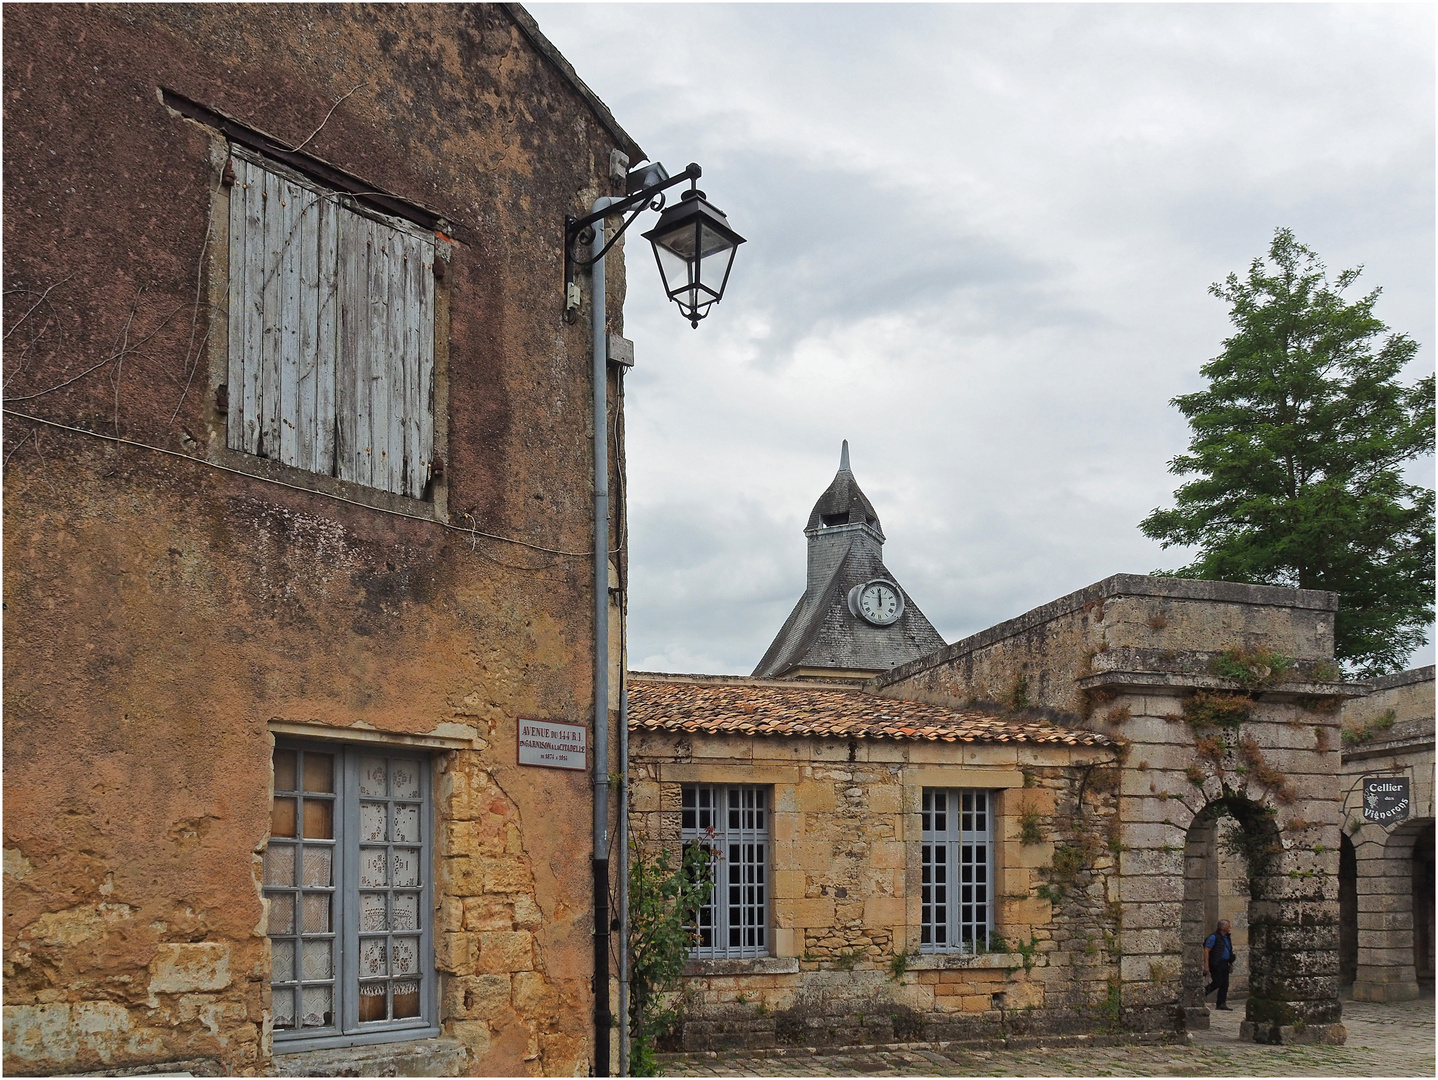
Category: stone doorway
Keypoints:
(1423, 908)
(1347, 913)
(1226, 839)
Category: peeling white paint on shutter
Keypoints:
(331, 339)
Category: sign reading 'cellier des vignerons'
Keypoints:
(1385, 798)
(553, 746)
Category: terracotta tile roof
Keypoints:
(733, 705)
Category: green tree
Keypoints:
(1297, 453)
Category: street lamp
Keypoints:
(694, 247)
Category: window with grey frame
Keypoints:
(348, 873)
(732, 822)
(956, 841)
(331, 332)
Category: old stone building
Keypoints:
(1029, 831)
(1386, 858)
(297, 529)
(853, 620)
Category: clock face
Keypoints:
(877, 602)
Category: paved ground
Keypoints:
(1383, 1040)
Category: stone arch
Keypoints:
(1390, 907)
(1253, 843)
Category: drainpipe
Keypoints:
(603, 1019)
(623, 869)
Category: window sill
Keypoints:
(757, 965)
(416, 1057)
(947, 961)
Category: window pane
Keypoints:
(406, 999)
(404, 779)
(282, 914)
(319, 772)
(284, 770)
(280, 864)
(404, 956)
(317, 960)
(372, 913)
(282, 1002)
(372, 827)
(282, 818)
(319, 819)
(318, 1007)
(317, 864)
(372, 1002)
(372, 774)
(372, 958)
(282, 961)
(373, 868)
(406, 823)
(316, 907)
(406, 867)
(406, 911)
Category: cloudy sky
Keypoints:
(980, 241)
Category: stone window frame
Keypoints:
(719, 904)
(346, 890)
(1003, 811)
(954, 838)
(435, 504)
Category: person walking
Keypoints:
(1218, 962)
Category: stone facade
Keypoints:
(172, 608)
(1226, 700)
(1388, 895)
(846, 964)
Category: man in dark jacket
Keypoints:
(1218, 962)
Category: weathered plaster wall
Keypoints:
(160, 612)
(845, 886)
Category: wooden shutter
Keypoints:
(331, 350)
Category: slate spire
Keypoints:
(823, 636)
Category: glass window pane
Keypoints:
(406, 999)
(282, 1003)
(282, 818)
(406, 823)
(282, 961)
(372, 774)
(284, 770)
(319, 819)
(372, 959)
(404, 955)
(282, 914)
(317, 864)
(372, 1002)
(406, 911)
(318, 1008)
(406, 867)
(372, 828)
(317, 960)
(316, 908)
(404, 779)
(280, 864)
(373, 868)
(319, 772)
(372, 913)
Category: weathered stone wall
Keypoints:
(846, 872)
(1389, 733)
(1226, 700)
(161, 613)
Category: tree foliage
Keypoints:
(1297, 452)
(664, 903)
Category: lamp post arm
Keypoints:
(574, 226)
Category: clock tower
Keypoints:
(854, 621)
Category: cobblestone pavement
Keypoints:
(1383, 1040)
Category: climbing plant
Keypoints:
(664, 903)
